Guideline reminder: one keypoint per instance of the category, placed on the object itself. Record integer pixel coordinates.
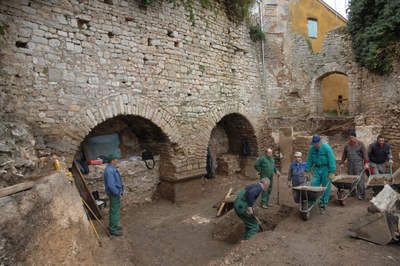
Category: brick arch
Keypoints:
(316, 86)
(215, 115)
(122, 104)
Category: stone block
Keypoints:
(54, 75)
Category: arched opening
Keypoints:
(232, 147)
(128, 137)
(335, 94)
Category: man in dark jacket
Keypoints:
(244, 203)
(379, 153)
(357, 159)
(114, 189)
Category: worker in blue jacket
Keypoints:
(322, 160)
(296, 174)
(244, 203)
(114, 189)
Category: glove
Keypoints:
(289, 184)
(366, 166)
(331, 176)
(249, 211)
(390, 161)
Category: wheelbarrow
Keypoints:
(378, 181)
(309, 198)
(346, 184)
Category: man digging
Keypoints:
(243, 206)
(114, 189)
(265, 165)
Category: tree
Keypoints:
(375, 29)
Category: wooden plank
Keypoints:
(16, 188)
(84, 190)
(221, 207)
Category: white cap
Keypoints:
(298, 154)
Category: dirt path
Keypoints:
(320, 241)
(162, 233)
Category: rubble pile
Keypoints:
(17, 152)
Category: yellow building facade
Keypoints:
(314, 19)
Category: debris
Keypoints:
(16, 188)
(382, 224)
(386, 200)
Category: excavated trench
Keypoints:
(163, 233)
(231, 229)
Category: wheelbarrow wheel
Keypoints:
(305, 215)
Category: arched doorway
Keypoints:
(232, 146)
(335, 94)
(127, 137)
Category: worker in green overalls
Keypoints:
(243, 206)
(265, 165)
(322, 160)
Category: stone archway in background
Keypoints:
(325, 89)
(334, 92)
(233, 146)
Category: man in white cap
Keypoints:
(296, 174)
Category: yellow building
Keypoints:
(314, 19)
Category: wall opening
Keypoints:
(232, 146)
(334, 95)
(127, 136)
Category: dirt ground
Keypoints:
(163, 233)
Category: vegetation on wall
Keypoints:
(256, 33)
(236, 10)
(375, 29)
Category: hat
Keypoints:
(111, 157)
(298, 154)
(315, 139)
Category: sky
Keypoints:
(338, 5)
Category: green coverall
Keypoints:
(324, 162)
(240, 206)
(114, 213)
(265, 165)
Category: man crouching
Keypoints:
(243, 205)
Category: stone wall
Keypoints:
(45, 225)
(140, 183)
(67, 66)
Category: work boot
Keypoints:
(119, 228)
(322, 208)
(116, 233)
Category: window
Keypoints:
(312, 25)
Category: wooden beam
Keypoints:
(221, 207)
(16, 188)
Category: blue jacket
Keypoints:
(252, 192)
(112, 181)
(296, 173)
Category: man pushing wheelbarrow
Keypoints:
(323, 162)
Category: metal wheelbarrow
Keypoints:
(309, 198)
(346, 184)
(378, 181)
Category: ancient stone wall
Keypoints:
(70, 65)
(140, 183)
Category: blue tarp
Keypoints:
(103, 145)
